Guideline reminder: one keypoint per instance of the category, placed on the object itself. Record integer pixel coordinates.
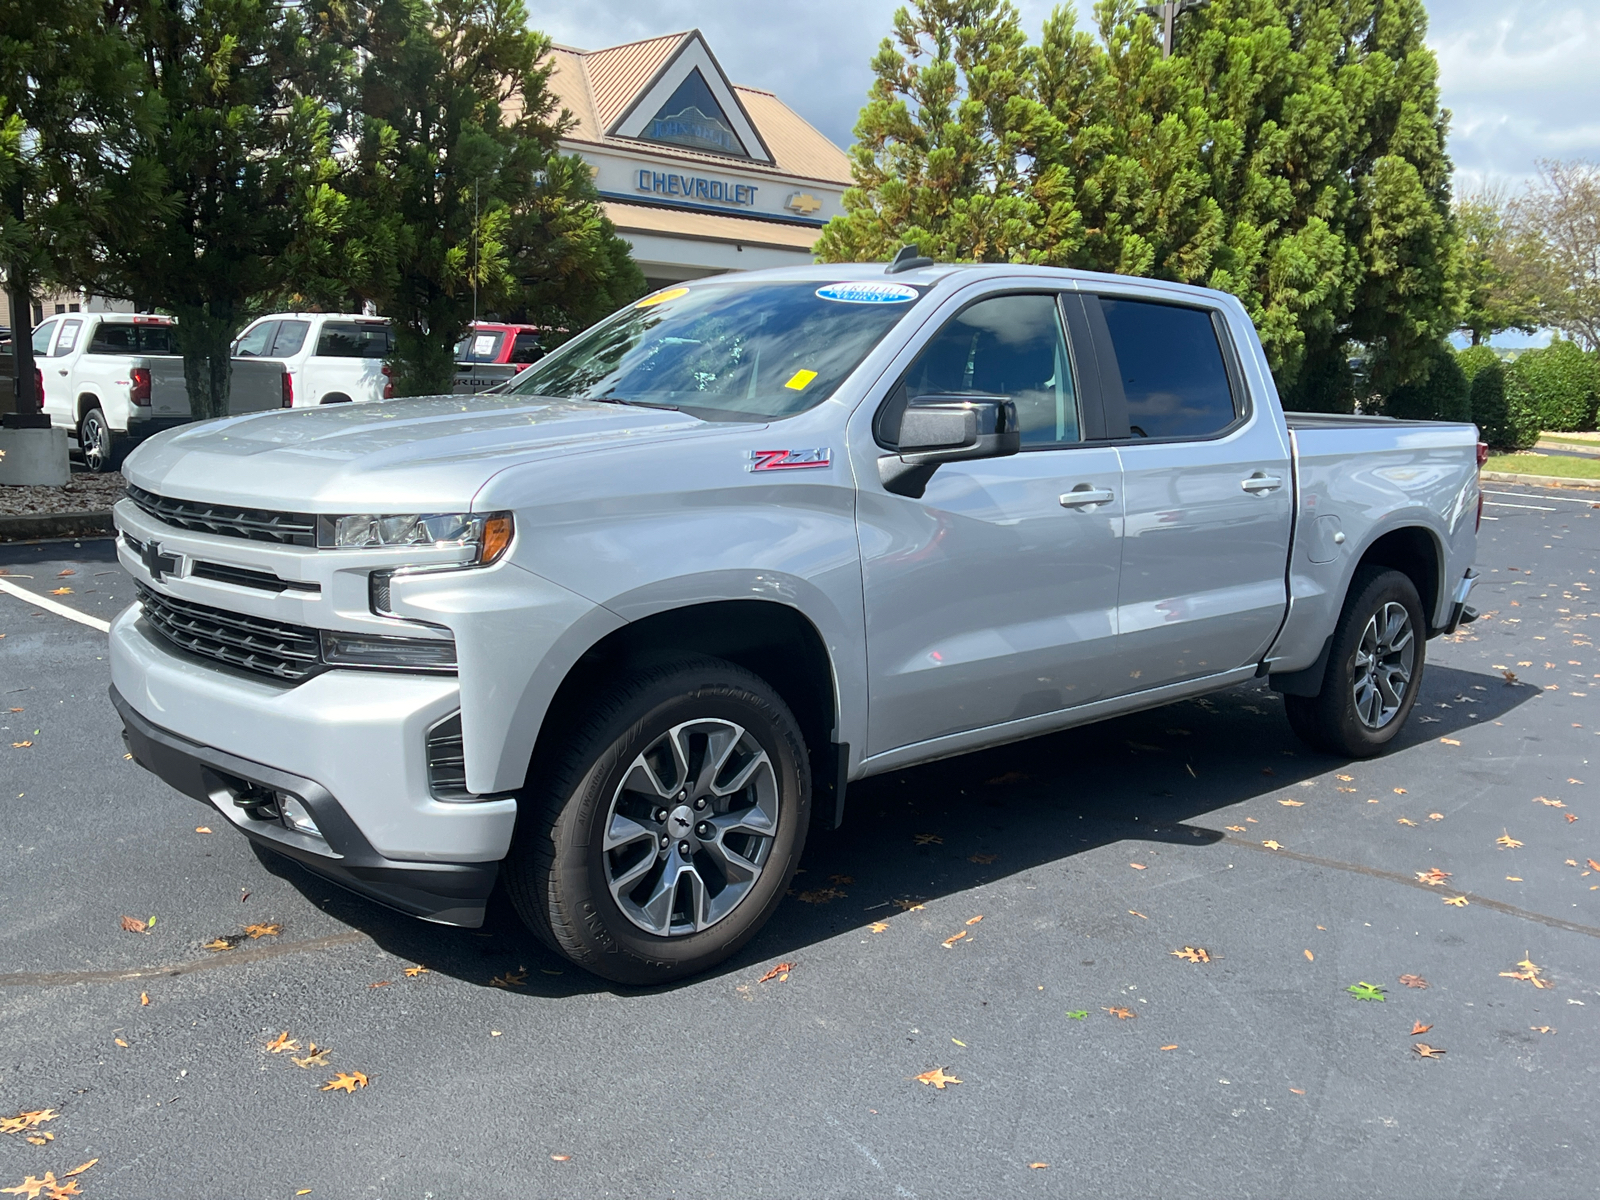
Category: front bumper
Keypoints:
(446, 893)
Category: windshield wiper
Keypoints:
(610, 399)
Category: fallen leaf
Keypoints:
(226, 942)
(61, 591)
(80, 1168)
(346, 1081)
(1238, 829)
(1271, 845)
(144, 998)
(1134, 912)
(822, 895)
(134, 925)
(1079, 1014)
(1037, 1166)
(316, 1056)
(561, 1158)
(1310, 957)
(780, 969)
(1433, 876)
(1414, 981)
(380, 983)
(1298, 1091)
(950, 941)
(937, 1077)
(282, 1042)
(1418, 1027)
(928, 839)
(880, 927)
(1399, 791)
(1511, 676)
(909, 905)
(1252, 821)
(27, 1120)
(1435, 816)
(1426, 1051)
(1194, 954)
(20, 745)
(202, 829)
(1292, 803)
(1405, 821)
(1506, 840)
(1122, 1014)
(1513, 878)
(1548, 803)
(974, 920)
(43, 1139)
(984, 859)
(1456, 901)
(1137, 866)
(65, 573)
(1174, 1046)
(261, 931)
(1450, 741)
(413, 972)
(120, 1042)
(1365, 991)
(1571, 817)
(1592, 864)
(1541, 1028)
(32, 1186)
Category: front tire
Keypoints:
(665, 826)
(1374, 669)
(102, 449)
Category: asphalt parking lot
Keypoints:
(1091, 1059)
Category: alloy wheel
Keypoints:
(1383, 664)
(94, 440)
(691, 827)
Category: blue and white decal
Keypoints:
(868, 293)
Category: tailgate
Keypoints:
(257, 385)
(169, 394)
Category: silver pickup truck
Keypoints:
(616, 637)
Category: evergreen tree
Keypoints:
(460, 195)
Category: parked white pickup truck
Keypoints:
(615, 635)
(112, 380)
(328, 358)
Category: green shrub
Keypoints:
(1561, 382)
(1473, 359)
(1442, 396)
(1489, 405)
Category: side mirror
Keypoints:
(935, 430)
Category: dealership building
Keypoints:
(699, 174)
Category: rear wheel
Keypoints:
(102, 449)
(1374, 669)
(335, 398)
(669, 825)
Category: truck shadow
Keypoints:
(915, 836)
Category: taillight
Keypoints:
(140, 392)
(1483, 454)
(388, 382)
(288, 390)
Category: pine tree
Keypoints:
(461, 196)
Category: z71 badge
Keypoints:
(789, 460)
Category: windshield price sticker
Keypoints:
(868, 293)
(790, 460)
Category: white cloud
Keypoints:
(1519, 76)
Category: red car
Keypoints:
(492, 342)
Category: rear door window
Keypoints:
(291, 336)
(1006, 346)
(353, 339)
(1169, 361)
(42, 337)
(67, 339)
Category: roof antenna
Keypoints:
(907, 260)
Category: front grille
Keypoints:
(255, 524)
(447, 761)
(266, 581)
(271, 648)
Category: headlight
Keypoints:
(488, 534)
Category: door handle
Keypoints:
(1259, 483)
(1083, 495)
(61, 371)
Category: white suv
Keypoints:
(328, 358)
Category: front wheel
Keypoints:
(1374, 669)
(667, 824)
(102, 449)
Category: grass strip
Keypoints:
(1544, 464)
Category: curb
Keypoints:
(88, 523)
(1544, 481)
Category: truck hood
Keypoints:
(430, 453)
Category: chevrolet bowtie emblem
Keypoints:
(803, 203)
(158, 564)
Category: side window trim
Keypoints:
(1116, 401)
(1088, 382)
(897, 397)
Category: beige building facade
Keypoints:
(699, 174)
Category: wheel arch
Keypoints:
(86, 401)
(1417, 553)
(776, 641)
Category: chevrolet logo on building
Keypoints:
(803, 203)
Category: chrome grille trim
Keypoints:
(272, 648)
(253, 524)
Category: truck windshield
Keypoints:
(726, 350)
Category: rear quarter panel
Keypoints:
(1366, 479)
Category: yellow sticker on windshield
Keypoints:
(662, 297)
(797, 381)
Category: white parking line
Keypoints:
(61, 610)
(1531, 496)
(1535, 507)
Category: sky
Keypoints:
(1520, 76)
